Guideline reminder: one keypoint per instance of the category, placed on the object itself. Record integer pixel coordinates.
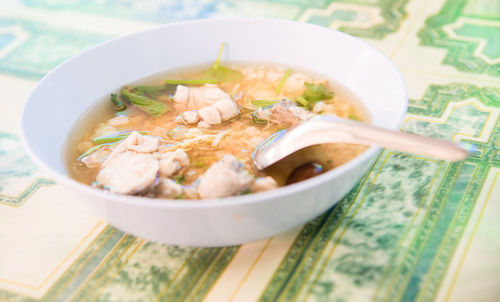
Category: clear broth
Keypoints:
(239, 141)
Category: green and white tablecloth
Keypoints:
(413, 229)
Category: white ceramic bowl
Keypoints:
(74, 86)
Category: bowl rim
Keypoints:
(230, 201)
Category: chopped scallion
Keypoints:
(302, 101)
(217, 73)
(264, 103)
(283, 80)
(144, 103)
(91, 150)
(111, 139)
(115, 137)
(153, 91)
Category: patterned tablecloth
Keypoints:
(413, 229)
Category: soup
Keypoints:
(189, 133)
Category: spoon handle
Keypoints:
(331, 129)
(412, 143)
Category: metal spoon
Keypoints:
(330, 129)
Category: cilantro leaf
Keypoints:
(316, 92)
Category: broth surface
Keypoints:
(205, 146)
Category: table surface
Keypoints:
(413, 229)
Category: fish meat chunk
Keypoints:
(136, 142)
(172, 162)
(181, 94)
(119, 121)
(190, 117)
(194, 98)
(319, 106)
(227, 109)
(210, 115)
(285, 113)
(142, 143)
(169, 188)
(129, 172)
(262, 184)
(95, 159)
(203, 124)
(207, 105)
(294, 85)
(224, 178)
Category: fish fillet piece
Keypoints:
(129, 172)
(224, 178)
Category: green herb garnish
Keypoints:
(302, 101)
(95, 148)
(152, 91)
(109, 139)
(258, 120)
(353, 117)
(117, 103)
(144, 103)
(222, 73)
(283, 80)
(316, 92)
(112, 138)
(264, 103)
(217, 73)
(313, 94)
(180, 179)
